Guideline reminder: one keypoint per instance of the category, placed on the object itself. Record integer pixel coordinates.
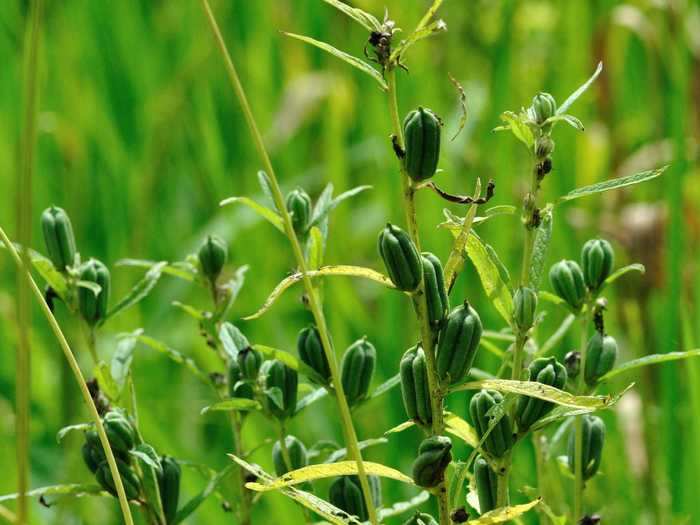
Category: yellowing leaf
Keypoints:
(491, 276)
(326, 271)
(461, 429)
(328, 470)
(400, 428)
(504, 514)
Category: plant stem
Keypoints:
(458, 254)
(578, 423)
(24, 231)
(70, 357)
(419, 301)
(237, 425)
(288, 462)
(502, 485)
(319, 318)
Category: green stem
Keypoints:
(70, 357)
(458, 255)
(319, 318)
(288, 462)
(92, 344)
(578, 423)
(24, 231)
(237, 425)
(420, 306)
(502, 497)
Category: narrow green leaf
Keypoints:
(140, 290)
(70, 428)
(557, 336)
(429, 14)
(315, 248)
(612, 184)
(433, 28)
(74, 490)
(490, 275)
(175, 356)
(311, 398)
(326, 271)
(230, 290)
(232, 339)
(576, 94)
(327, 470)
(182, 270)
(235, 404)
(102, 373)
(211, 487)
(516, 124)
(569, 119)
(149, 482)
(404, 506)
(366, 20)
(386, 386)
(44, 267)
(543, 236)
(120, 365)
(266, 186)
(636, 267)
(88, 285)
(353, 61)
(342, 453)
(400, 428)
(190, 310)
(266, 213)
(653, 359)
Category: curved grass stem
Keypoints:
(75, 368)
(313, 301)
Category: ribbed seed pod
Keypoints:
(486, 485)
(299, 206)
(93, 308)
(357, 369)
(434, 455)
(132, 485)
(169, 487)
(298, 455)
(311, 352)
(249, 362)
(567, 280)
(120, 433)
(524, 308)
(421, 518)
(593, 440)
(149, 451)
(91, 460)
(93, 453)
(545, 370)
(458, 343)
(284, 380)
(237, 386)
(212, 257)
(597, 261)
(403, 264)
(414, 386)
(500, 439)
(58, 237)
(422, 135)
(435, 291)
(543, 107)
(346, 494)
(601, 353)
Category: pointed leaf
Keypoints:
(343, 270)
(520, 129)
(190, 310)
(120, 366)
(266, 186)
(653, 359)
(230, 291)
(543, 236)
(636, 267)
(232, 339)
(181, 270)
(504, 514)
(353, 61)
(74, 490)
(176, 356)
(101, 371)
(576, 94)
(266, 213)
(140, 290)
(404, 506)
(569, 119)
(366, 20)
(192, 505)
(460, 428)
(234, 404)
(400, 428)
(323, 208)
(310, 398)
(341, 453)
(70, 428)
(490, 275)
(612, 184)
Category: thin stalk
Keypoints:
(288, 462)
(578, 424)
(237, 425)
(92, 344)
(458, 255)
(24, 231)
(70, 357)
(420, 302)
(319, 318)
(502, 486)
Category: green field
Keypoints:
(139, 136)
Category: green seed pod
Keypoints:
(249, 362)
(131, 482)
(524, 308)
(346, 494)
(120, 433)
(311, 352)
(153, 455)
(281, 384)
(414, 386)
(237, 386)
(298, 455)
(434, 455)
(92, 460)
(597, 260)
(545, 370)
(543, 107)
(486, 485)
(400, 258)
(421, 518)
(567, 280)
(58, 237)
(169, 487)
(212, 257)
(484, 407)
(601, 353)
(458, 343)
(422, 135)
(593, 440)
(93, 453)
(544, 146)
(435, 291)
(299, 206)
(356, 370)
(93, 307)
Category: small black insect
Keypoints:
(380, 42)
(544, 167)
(590, 520)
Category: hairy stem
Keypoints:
(313, 302)
(70, 357)
(419, 300)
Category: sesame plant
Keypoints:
(538, 391)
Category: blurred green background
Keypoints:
(140, 137)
